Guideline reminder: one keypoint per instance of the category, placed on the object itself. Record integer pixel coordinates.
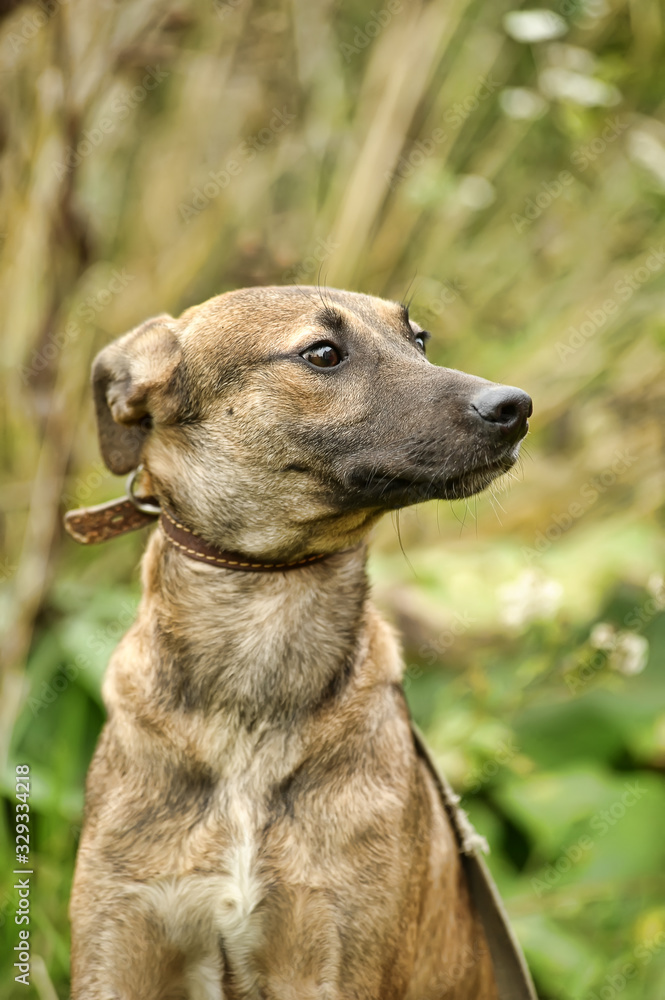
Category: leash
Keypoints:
(512, 974)
(91, 525)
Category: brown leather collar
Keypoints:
(90, 525)
(196, 548)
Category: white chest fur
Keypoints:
(198, 909)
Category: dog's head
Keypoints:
(282, 421)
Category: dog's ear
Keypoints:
(135, 384)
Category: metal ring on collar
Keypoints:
(143, 505)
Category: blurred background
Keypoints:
(504, 170)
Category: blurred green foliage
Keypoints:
(507, 175)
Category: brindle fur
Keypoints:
(258, 823)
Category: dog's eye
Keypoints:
(419, 335)
(323, 355)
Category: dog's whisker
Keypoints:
(403, 550)
(455, 513)
(466, 511)
(493, 504)
(495, 497)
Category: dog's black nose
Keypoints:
(506, 407)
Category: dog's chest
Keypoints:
(223, 872)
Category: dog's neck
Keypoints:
(254, 647)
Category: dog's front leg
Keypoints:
(119, 953)
(309, 947)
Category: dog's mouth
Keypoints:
(400, 489)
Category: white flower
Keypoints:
(628, 651)
(475, 192)
(647, 150)
(630, 654)
(565, 84)
(522, 103)
(534, 25)
(531, 597)
(603, 636)
(571, 57)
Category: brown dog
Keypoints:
(259, 822)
